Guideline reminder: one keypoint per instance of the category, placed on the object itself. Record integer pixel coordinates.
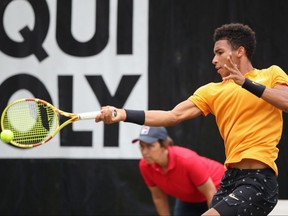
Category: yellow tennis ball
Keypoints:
(7, 136)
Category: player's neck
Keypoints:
(246, 67)
(163, 161)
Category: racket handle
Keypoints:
(88, 115)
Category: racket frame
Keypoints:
(72, 117)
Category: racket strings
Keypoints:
(30, 122)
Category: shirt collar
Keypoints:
(171, 161)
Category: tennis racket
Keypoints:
(34, 121)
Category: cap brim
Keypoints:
(148, 140)
(135, 140)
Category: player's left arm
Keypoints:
(208, 189)
(277, 96)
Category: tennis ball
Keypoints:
(7, 136)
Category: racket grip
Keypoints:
(88, 115)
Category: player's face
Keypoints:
(152, 153)
(222, 49)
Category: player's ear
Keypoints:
(168, 142)
(241, 51)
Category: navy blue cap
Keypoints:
(150, 135)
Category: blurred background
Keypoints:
(149, 54)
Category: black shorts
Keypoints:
(246, 192)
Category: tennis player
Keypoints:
(248, 106)
(170, 170)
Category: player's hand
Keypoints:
(235, 73)
(110, 115)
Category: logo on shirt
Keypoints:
(256, 82)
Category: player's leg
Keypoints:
(255, 193)
(211, 212)
(226, 187)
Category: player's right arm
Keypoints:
(183, 111)
(160, 200)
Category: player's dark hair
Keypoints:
(237, 35)
(168, 142)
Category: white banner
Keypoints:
(51, 64)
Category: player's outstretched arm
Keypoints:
(183, 111)
(277, 96)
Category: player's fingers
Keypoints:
(99, 117)
(228, 67)
(105, 115)
(231, 63)
(226, 78)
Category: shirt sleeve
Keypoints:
(280, 77)
(198, 98)
(198, 171)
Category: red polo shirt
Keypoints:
(186, 170)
